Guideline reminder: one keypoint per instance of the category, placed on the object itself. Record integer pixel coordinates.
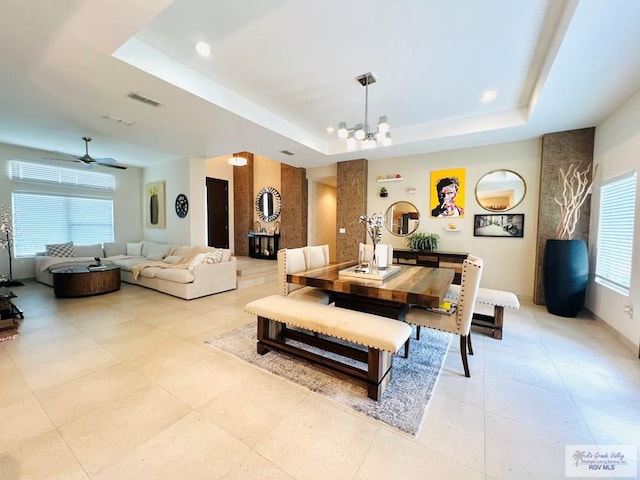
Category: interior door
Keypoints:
(218, 212)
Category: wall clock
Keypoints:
(182, 205)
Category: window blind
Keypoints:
(48, 174)
(40, 219)
(615, 233)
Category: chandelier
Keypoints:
(360, 133)
(237, 160)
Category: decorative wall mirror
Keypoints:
(500, 190)
(268, 204)
(402, 219)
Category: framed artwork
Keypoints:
(155, 205)
(448, 192)
(499, 225)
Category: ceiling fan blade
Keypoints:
(112, 165)
(66, 156)
(68, 159)
(105, 160)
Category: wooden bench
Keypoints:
(280, 318)
(487, 296)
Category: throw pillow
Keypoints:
(214, 256)
(134, 249)
(157, 251)
(198, 259)
(60, 250)
(112, 249)
(88, 250)
(172, 259)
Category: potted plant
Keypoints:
(423, 242)
(565, 268)
(383, 192)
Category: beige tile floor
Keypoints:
(121, 386)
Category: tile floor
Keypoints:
(121, 386)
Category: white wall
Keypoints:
(617, 151)
(509, 262)
(126, 200)
(176, 177)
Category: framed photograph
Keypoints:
(499, 225)
(155, 205)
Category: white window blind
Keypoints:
(615, 233)
(48, 174)
(40, 219)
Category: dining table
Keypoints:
(388, 297)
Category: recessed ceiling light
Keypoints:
(330, 130)
(203, 49)
(488, 96)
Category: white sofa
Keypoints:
(182, 271)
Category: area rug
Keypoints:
(405, 400)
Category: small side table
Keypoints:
(9, 313)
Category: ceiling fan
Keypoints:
(88, 159)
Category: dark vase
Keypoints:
(153, 210)
(565, 272)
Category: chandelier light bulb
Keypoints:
(383, 124)
(351, 143)
(342, 130)
(386, 141)
(359, 132)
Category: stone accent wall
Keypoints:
(243, 205)
(295, 199)
(559, 150)
(351, 203)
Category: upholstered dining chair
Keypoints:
(294, 260)
(458, 322)
(365, 251)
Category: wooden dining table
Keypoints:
(391, 297)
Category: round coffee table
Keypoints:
(82, 281)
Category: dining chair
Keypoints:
(365, 251)
(459, 320)
(294, 260)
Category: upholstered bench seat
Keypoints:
(381, 336)
(498, 299)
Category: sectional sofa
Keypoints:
(183, 271)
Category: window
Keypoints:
(41, 219)
(615, 233)
(48, 174)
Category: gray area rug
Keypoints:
(403, 404)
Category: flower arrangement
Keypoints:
(6, 235)
(373, 225)
(576, 186)
(153, 191)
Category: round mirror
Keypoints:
(402, 219)
(268, 204)
(500, 190)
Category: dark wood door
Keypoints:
(218, 212)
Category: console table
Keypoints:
(452, 260)
(264, 245)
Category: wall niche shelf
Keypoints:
(394, 179)
(449, 229)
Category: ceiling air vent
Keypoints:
(143, 99)
(287, 152)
